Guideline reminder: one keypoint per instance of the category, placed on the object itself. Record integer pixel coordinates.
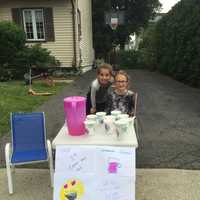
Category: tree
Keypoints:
(16, 57)
(137, 14)
(176, 44)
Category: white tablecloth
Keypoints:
(128, 139)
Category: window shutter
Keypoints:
(17, 16)
(49, 25)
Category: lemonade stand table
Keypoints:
(97, 166)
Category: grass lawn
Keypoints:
(14, 98)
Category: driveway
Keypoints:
(168, 116)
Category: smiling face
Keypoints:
(72, 190)
(104, 76)
(121, 83)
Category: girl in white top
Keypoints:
(97, 95)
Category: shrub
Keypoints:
(12, 40)
(178, 42)
(147, 48)
(128, 59)
(16, 57)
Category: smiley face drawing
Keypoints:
(72, 190)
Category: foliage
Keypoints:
(147, 47)
(129, 59)
(39, 57)
(14, 98)
(16, 57)
(177, 42)
(137, 15)
(12, 40)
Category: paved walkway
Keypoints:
(151, 184)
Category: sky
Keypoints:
(167, 4)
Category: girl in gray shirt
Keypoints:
(120, 98)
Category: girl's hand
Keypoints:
(92, 110)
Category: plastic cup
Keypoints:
(123, 116)
(90, 126)
(121, 127)
(100, 116)
(116, 113)
(91, 117)
(109, 124)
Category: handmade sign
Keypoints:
(94, 172)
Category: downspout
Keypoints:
(74, 64)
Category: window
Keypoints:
(33, 20)
(38, 23)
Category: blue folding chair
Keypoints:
(29, 144)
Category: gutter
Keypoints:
(74, 63)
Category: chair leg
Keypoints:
(8, 169)
(50, 161)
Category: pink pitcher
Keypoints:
(75, 113)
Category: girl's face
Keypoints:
(104, 76)
(121, 83)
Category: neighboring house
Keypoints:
(62, 26)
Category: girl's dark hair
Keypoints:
(121, 72)
(105, 66)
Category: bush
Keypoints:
(147, 48)
(16, 57)
(12, 40)
(128, 59)
(178, 42)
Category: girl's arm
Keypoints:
(94, 87)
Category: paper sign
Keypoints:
(94, 172)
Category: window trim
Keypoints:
(35, 39)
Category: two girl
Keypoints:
(103, 97)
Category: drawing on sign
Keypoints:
(113, 165)
(73, 189)
(77, 162)
(74, 160)
(113, 189)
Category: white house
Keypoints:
(62, 26)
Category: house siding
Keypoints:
(86, 43)
(62, 47)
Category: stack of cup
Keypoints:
(122, 126)
(90, 124)
(109, 124)
(100, 117)
(116, 114)
(123, 116)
